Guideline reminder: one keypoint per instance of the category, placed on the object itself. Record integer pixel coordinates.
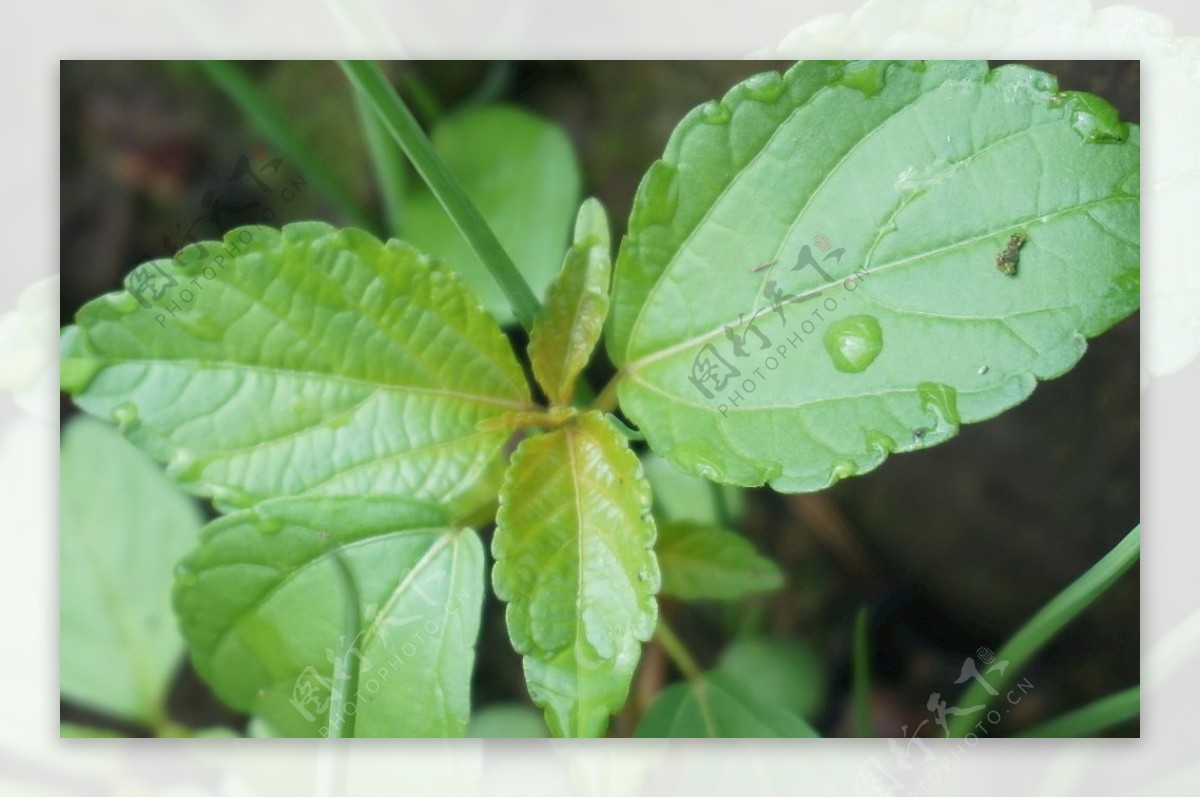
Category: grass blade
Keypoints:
(1093, 718)
(1049, 621)
(369, 79)
(270, 121)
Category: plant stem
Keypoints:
(369, 79)
(1092, 718)
(607, 400)
(720, 505)
(388, 161)
(862, 673)
(1049, 621)
(270, 121)
(344, 690)
(677, 651)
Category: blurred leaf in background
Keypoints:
(522, 174)
(124, 527)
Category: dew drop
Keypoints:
(184, 575)
(853, 343)
(185, 467)
(880, 443)
(226, 497)
(1095, 119)
(715, 113)
(122, 302)
(765, 87)
(843, 469)
(1079, 344)
(125, 415)
(75, 374)
(942, 402)
(269, 526)
(661, 193)
(868, 77)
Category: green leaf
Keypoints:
(262, 603)
(717, 705)
(309, 361)
(781, 673)
(575, 562)
(565, 334)
(752, 355)
(123, 528)
(700, 561)
(521, 172)
(506, 720)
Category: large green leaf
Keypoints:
(702, 561)
(575, 562)
(717, 705)
(813, 275)
(263, 604)
(565, 334)
(521, 172)
(308, 360)
(123, 528)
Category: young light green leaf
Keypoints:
(123, 528)
(521, 172)
(565, 334)
(812, 280)
(717, 706)
(575, 562)
(306, 361)
(701, 561)
(263, 601)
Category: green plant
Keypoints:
(819, 272)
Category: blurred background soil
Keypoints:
(952, 547)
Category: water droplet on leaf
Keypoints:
(125, 415)
(942, 402)
(123, 302)
(269, 526)
(661, 193)
(185, 575)
(853, 343)
(1095, 119)
(867, 77)
(715, 113)
(765, 87)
